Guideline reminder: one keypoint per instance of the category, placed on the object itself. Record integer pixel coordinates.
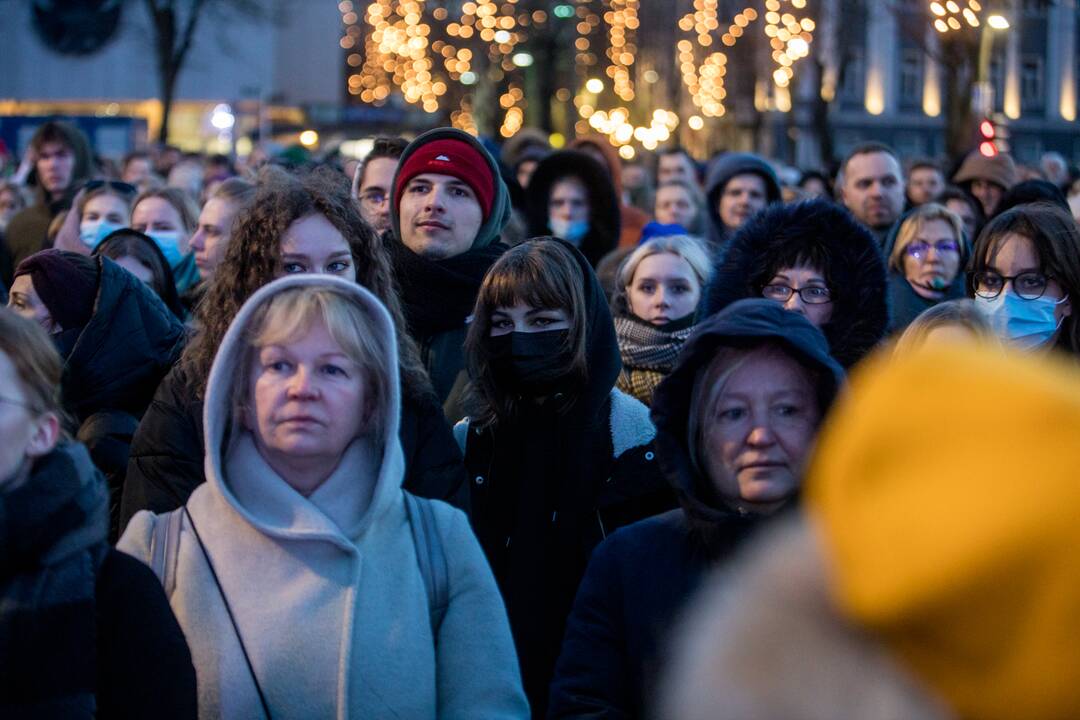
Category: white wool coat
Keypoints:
(326, 590)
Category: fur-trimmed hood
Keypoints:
(818, 229)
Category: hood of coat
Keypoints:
(855, 270)
(604, 219)
(501, 209)
(302, 520)
(611, 158)
(725, 167)
(125, 349)
(742, 324)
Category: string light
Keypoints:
(622, 23)
(948, 15)
(705, 81)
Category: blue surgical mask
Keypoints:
(571, 231)
(92, 233)
(1027, 324)
(169, 244)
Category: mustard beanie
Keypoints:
(946, 492)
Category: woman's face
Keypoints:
(313, 245)
(157, 215)
(675, 206)
(664, 288)
(525, 318)
(108, 208)
(136, 268)
(931, 259)
(569, 201)
(988, 194)
(25, 301)
(1016, 254)
(307, 403)
(798, 278)
(758, 431)
(24, 434)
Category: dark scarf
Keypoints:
(648, 352)
(52, 542)
(438, 295)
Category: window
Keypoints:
(1032, 90)
(1035, 8)
(911, 78)
(854, 84)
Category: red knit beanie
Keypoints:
(66, 282)
(450, 157)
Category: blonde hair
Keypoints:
(962, 312)
(913, 225)
(290, 314)
(688, 248)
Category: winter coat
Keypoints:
(604, 219)
(69, 604)
(28, 231)
(326, 590)
(113, 367)
(548, 484)
(631, 219)
(722, 169)
(782, 236)
(166, 454)
(642, 576)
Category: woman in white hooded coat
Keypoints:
(307, 583)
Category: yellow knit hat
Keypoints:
(946, 491)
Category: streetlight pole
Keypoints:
(983, 90)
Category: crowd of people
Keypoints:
(457, 430)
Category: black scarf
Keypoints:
(52, 543)
(438, 295)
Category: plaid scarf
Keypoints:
(52, 543)
(648, 353)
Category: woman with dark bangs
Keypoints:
(305, 223)
(558, 457)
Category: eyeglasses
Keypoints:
(1027, 286)
(919, 248)
(123, 188)
(813, 295)
(373, 198)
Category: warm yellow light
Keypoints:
(695, 122)
(309, 138)
(954, 23)
(595, 85)
(940, 26)
(952, 7)
(998, 22)
(937, 8)
(626, 152)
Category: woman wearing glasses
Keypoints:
(1025, 273)
(816, 260)
(924, 264)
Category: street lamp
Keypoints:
(983, 91)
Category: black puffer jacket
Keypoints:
(550, 483)
(641, 577)
(114, 366)
(819, 233)
(721, 170)
(604, 219)
(167, 453)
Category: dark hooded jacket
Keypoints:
(113, 365)
(821, 233)
(904, 303)
(641, 577)
(721, 170)
(604, 220)
(437, 296)
(549, 484)
(28, 231)
(168, 294)
(631, 219)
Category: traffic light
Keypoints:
(987, 133)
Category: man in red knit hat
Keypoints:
(448, 206)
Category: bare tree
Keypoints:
(174, 24)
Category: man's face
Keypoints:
(374, 192)
(743, 195)
(925, 184)
(55, 166)
(873, 189)
(439, 216)
(137, 170)
(675, 166)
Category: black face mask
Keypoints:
(532, 364)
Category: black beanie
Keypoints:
(66, 282)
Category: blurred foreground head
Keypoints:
(936, 571)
